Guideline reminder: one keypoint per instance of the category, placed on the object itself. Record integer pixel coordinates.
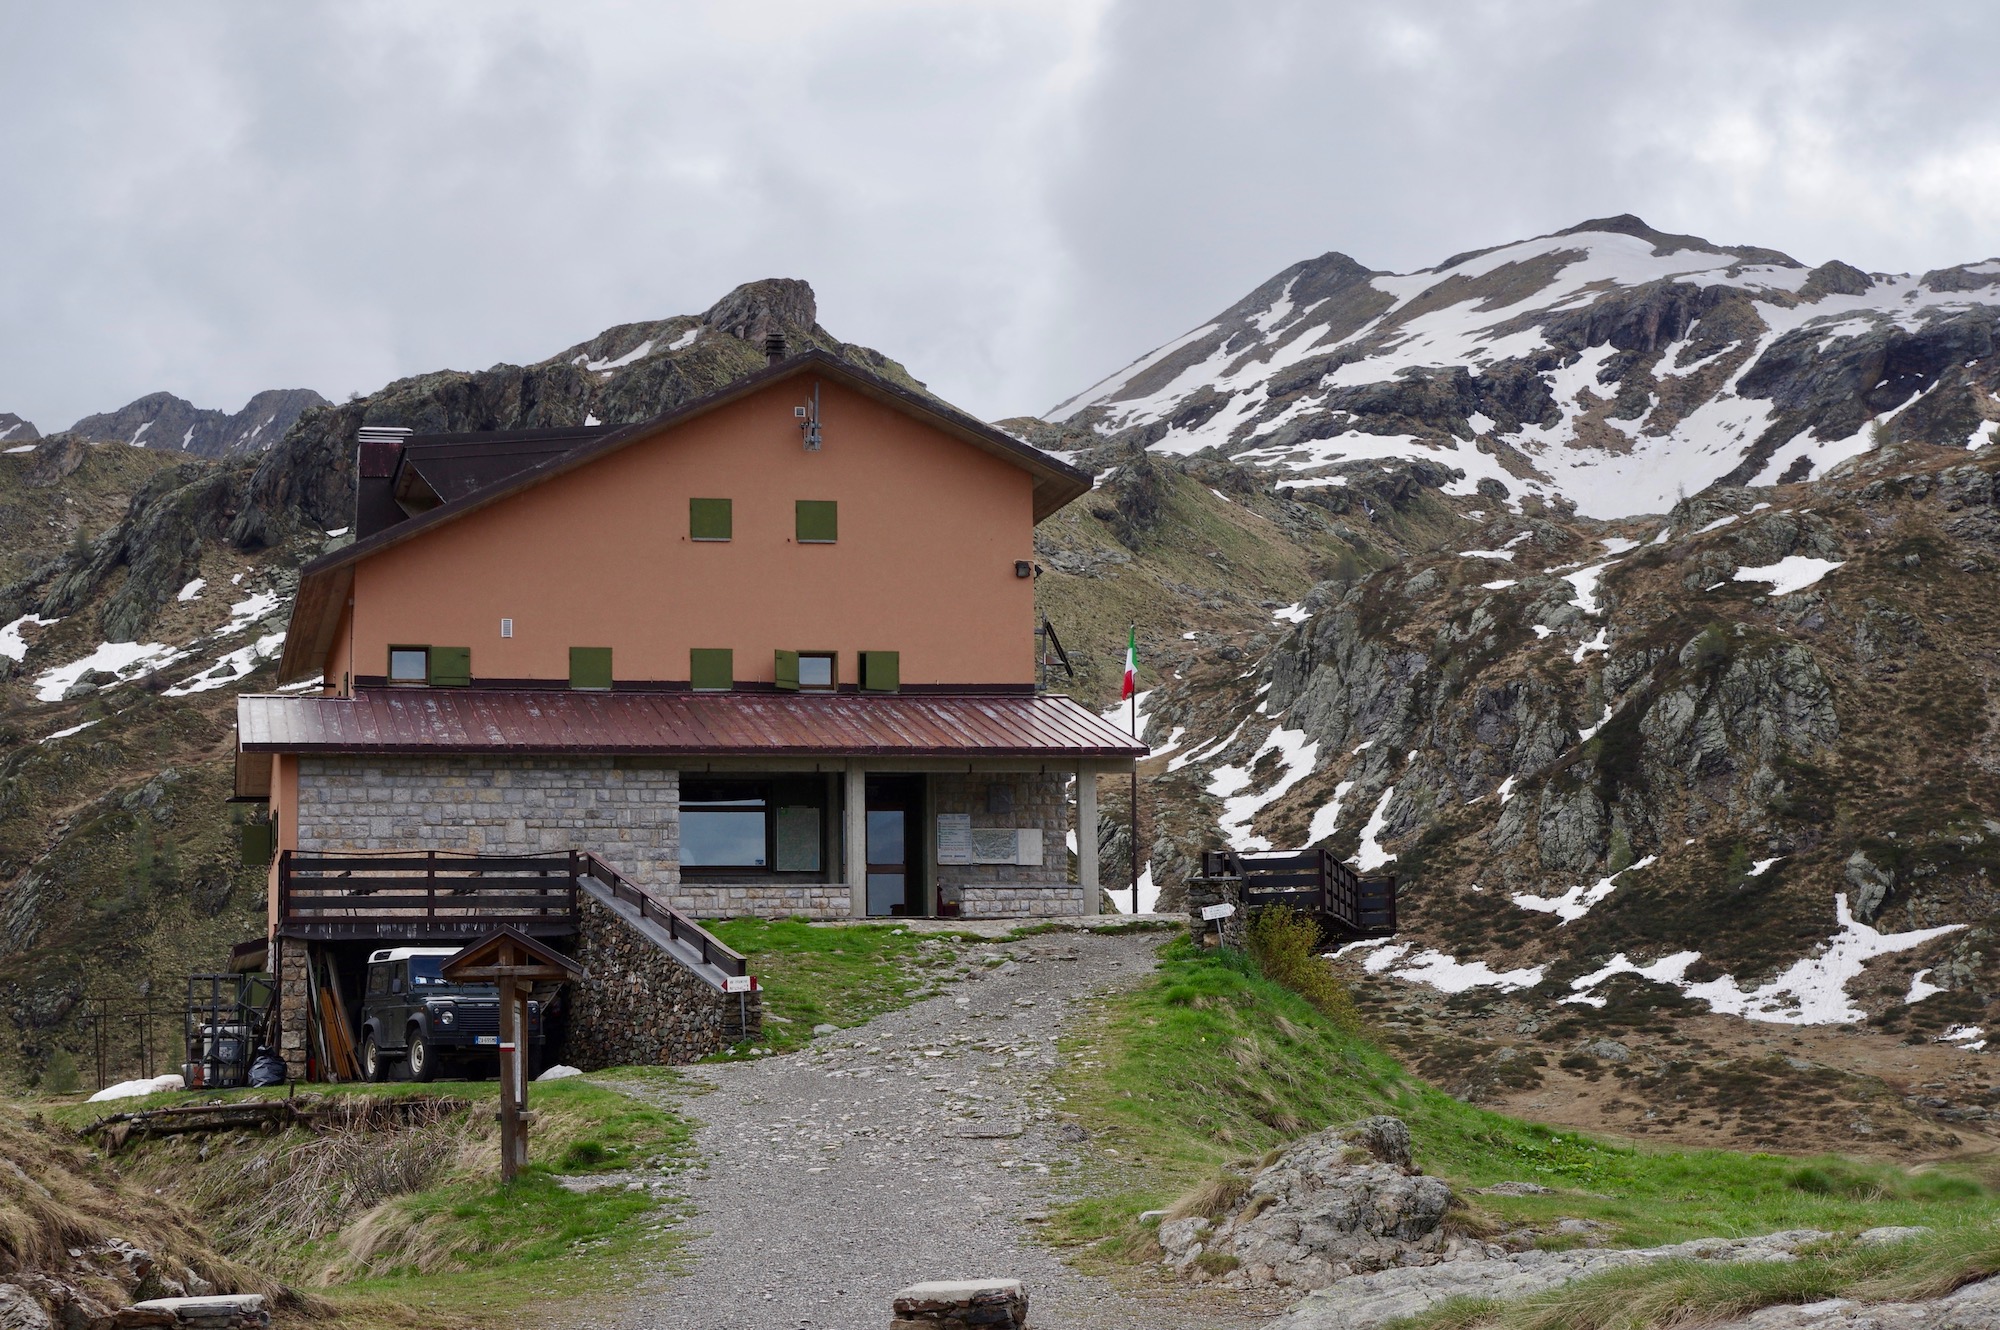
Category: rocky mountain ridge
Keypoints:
(171, 424)
(1610, 368)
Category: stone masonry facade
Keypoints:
(1008, 891)
(638, 1006)
(627, 812)
(764, 900)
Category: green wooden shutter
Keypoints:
(881, 671)
(451, 667)
(709, 519)
(259, 844)
(590, 667)
(818, 521)
(712, 669)
(786, 671)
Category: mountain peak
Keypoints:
(1572, 368)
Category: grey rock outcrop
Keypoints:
(1342, 1201)
(1370, 1300)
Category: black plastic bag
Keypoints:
(267, 1068)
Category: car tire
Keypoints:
(421, 1062)
(373, 1065)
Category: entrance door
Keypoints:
(895, 845)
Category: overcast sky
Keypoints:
(1013, 199)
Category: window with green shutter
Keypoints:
(590, 667)
(450, 667)
(881, 671)
(260, 842)
(785, 671)
(712, 669)
(818, 521)
(709, 519)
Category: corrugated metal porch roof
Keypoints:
(437, 720)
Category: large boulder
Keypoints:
(1340, 1202)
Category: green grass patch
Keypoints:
(831, 974)
(412, 1226)
(1210, 1064)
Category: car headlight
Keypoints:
(447, 1016)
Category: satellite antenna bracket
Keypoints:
(808, 418)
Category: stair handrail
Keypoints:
(680, 927)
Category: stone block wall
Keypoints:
(637, 1005)
(1006, 891)
(1200, 895)
(763, 900)
(291, 972)
(628, 812)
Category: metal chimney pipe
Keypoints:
(774, 347)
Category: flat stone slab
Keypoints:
(946, 1292)
(215, 1304)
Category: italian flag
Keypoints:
(1131, 664)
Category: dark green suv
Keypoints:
(409, 1012)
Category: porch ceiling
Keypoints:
(436, 720)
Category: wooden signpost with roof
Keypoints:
(514, 963)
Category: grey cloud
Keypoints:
(1012, 199)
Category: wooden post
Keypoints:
(514, 963)
(513, 1061)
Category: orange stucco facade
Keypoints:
(930, 529)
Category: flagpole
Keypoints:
(1132, 655)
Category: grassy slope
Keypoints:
(413, 1227)
(1210, 1063)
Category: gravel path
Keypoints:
(915, 1147)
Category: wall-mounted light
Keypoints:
(1024, 568)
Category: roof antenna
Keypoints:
(808, 418)
(774, 347)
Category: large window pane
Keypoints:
(723, 833)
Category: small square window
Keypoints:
(818, 521)
(712, 669)
(590, 668)
(816, 671)
(710, 519)
(881, 672)
(409, 664)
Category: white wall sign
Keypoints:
(1028, 847)
(1222, 911)
(739, 983)
(954, 838)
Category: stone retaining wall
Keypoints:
(639, 1006)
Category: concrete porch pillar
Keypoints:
(854, 838)
(1086, 839)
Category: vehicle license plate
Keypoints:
(486, 1039)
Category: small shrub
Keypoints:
(585, 1154)
(1216, 1262)
(1285, 945)
(1212, 1199)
